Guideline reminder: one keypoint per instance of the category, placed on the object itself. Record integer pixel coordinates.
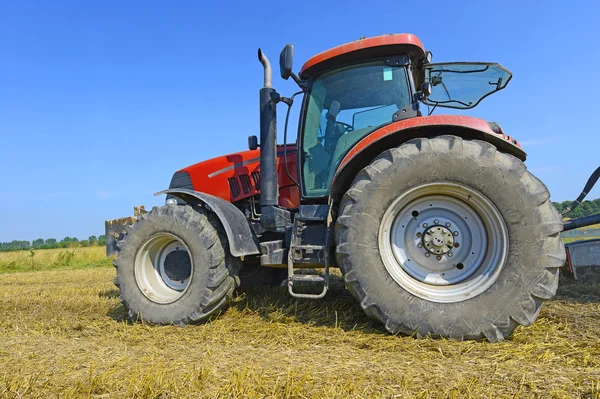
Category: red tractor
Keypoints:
(436, 224)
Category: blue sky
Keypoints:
(100, 102)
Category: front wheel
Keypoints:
(449, 237)
(174, 266)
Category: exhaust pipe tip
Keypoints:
(267, 66)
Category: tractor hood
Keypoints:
(236, 176)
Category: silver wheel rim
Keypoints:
(443, 242)
(163, 268)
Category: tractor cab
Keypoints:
(358, 88)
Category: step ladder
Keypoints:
(297, 254)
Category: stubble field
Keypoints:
(63, 334)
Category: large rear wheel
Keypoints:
(449, 237)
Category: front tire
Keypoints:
(449, 237)
(174, 266)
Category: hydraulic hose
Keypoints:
(588, 187)
(581, 222)
(287, 116)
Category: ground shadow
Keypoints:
(340, 310)
(109, 294)
(274, 304)
(586, 289)
(118, 312)
(337, 309)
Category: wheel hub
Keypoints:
(163, 268)
(177, 266)
(438, 240)
(443, 242)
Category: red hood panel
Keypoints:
(236, 176)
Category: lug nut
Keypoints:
(425, 225)
(427, 254)
(419, 245)
(438, 257)
(419, 234)
(456, 245)
(455, 233)
(450, 254)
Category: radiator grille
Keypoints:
(256, 179)
(234, 186)
(246, 184)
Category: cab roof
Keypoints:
(378, 46)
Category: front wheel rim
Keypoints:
(163, 268)
(443, 242)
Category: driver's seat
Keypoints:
(331, 135)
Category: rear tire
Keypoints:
(511, 264)
(174, 266)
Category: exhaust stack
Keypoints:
(272, 217)
(269, 190)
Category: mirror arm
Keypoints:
(299, 82)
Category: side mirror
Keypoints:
(286, 61)
(425, 89)
(252, 142)
(428, 56)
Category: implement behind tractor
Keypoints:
(434, 220)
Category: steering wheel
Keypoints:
(349, 128)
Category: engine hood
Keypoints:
(236, 176)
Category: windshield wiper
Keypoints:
(436, 80)
(450, 101)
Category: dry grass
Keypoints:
(594, 226)
(48, 259)
(62, 334)
(573, 239)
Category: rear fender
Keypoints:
(395, 134)
(242, 241)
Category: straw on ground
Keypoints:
(63, 334)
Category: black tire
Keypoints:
(255, 275)
(212, 278)
(535, 252)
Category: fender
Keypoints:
(397, 133)
(242, 241)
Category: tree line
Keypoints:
(586, 208)
(51, 243)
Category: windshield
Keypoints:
(463, 85)
(343, 106)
